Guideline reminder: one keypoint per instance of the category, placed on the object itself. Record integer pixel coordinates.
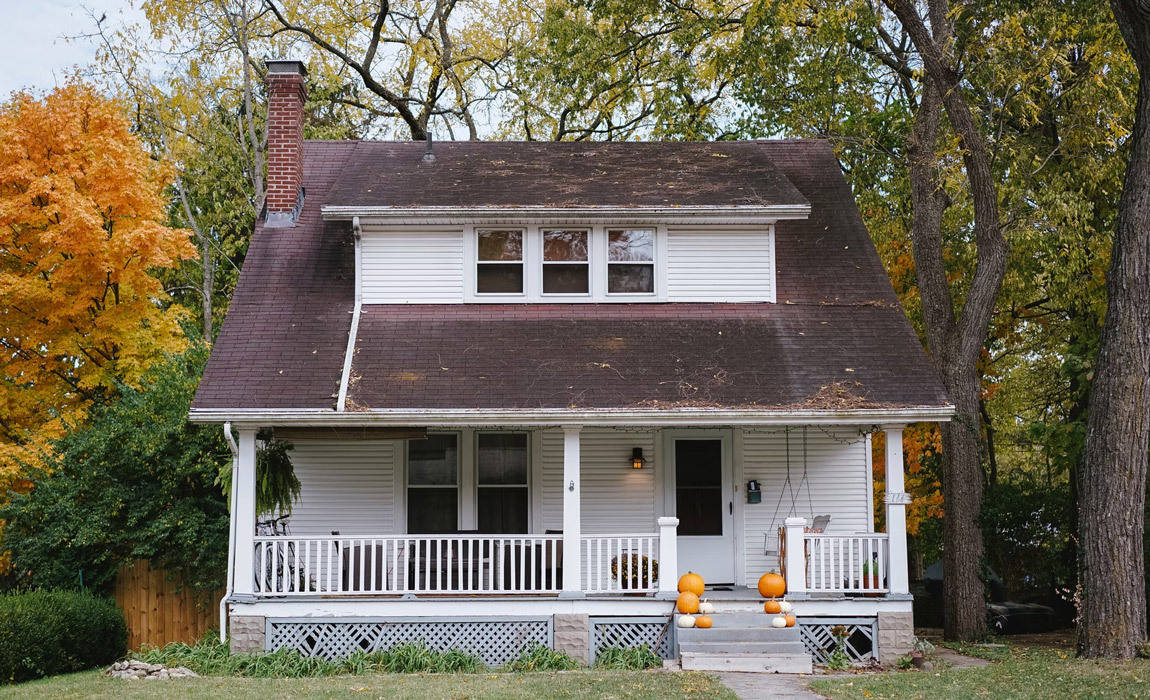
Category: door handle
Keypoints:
(731, 507)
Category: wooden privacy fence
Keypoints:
(156, 613)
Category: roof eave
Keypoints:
(762, 214)
(654, 417)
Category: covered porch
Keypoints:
(574, 512)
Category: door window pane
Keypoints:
(699, 487)
(499, 269)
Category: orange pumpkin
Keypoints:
(772, 607)
(790, 620)
(703, 621)
(691, 582)
(772, 586)
(688, 603)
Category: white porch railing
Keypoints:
(620, 563)
(468, 564)
(846, 563)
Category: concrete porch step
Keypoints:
(739, 634)
(748, 620)
(738, 647)
(753, 663)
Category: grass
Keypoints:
(577, 684)
(1016, 672)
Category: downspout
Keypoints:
(349, 353)
(235, 450)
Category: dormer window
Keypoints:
(566, 268)
(499, 268)
(631, 261)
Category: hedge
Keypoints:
(44, 633)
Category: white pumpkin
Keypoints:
(706, 608)
(779, 622)
(686, 621)
(785, 607)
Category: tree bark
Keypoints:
(1112, 486)
(955, 341)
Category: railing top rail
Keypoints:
(621, 536)
(337, 538)
(833, 536)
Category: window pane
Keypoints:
(565, 246)
(500, 245)
(699, 486)
(503, 509)
(499, 279)
(431, 511)
(433, 461)
(700, 511)
(502, 458)
(630, 279)
(631, 245)
(565, 279)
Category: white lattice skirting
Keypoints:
(495, 641)
(626, 632)
(819, 637)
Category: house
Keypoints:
(529, 385)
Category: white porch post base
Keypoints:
(796, 558)
(896, 500)
(245, 516)
(668, 559)
(572, 518)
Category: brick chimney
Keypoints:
(286, 96)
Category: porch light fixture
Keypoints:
(637, 458)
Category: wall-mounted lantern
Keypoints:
(637, 458)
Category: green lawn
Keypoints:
(575, 684)
(1017, 672)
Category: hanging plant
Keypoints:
(277, 487)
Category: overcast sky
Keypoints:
(35, 51)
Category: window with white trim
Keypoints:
(499, 262)
(631, 261)
(566, 261)
(501, 482)
(433, 484)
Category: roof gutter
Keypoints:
(438, 418)
(684, 214)
(349, 352)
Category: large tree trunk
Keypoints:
(1112, 486)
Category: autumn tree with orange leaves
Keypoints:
(81, 206)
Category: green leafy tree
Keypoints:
(137, 482)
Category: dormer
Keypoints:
(533, 222)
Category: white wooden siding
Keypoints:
(719, 265)
(836, 484)
(412, 267)
(348, 486)
(616, 498)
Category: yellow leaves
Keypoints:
(80, 206)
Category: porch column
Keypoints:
(896, 500)
(668, 558)
(245, 516)
(572, 519)
(796, 556)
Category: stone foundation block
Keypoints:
(246, 633)
(895, 635)
(573, 636)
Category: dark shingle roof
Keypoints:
(533, 174)
(836, 339)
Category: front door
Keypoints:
(704, 505)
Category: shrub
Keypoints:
(45, 633)
(627, 659)
(210, 658)
(540, 658)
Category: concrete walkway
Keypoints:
(760, 686)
